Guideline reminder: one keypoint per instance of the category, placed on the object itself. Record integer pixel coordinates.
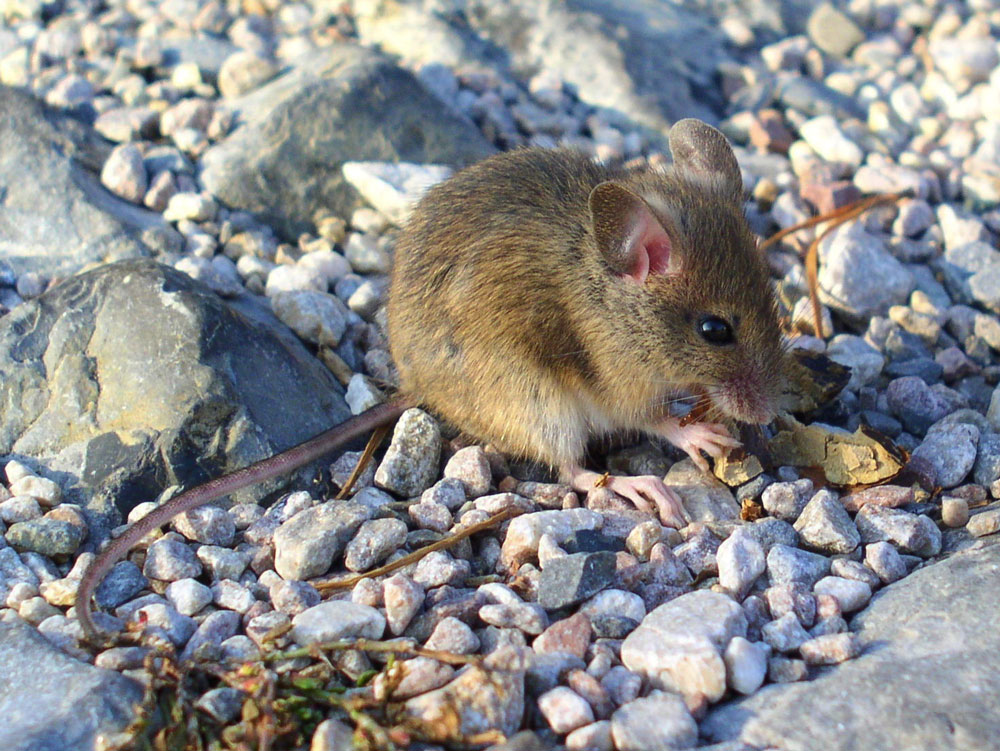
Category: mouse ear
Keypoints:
(629, 236)
(702, 153)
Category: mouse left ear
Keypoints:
(629, 236)
(702, 153)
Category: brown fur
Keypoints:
(507, 320)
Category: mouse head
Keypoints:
(685, 265)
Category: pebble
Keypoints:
(658, 722)
(571, 579)
(45, 491)
(471, 467)
(786, 500)
(825, 526)
(593, 737)
(830, 649)
(195, 207)
(293, 597)
(124, 173)
(411, 462)
(188, 596)
(911, 533)
(452, 635)
(307, 544)
(570, 635)
(564, 709)
(885, 561)
(785, 634)
(315, 316)
(170, 560)
(209, 525)
(373, 542)
(786, 565)
(393, 188)
(954, 512)
(331, 621)
(223, 563)
(746, 665)
(206, 642)
(740, 560)
(851, 594)
(951, 450)
(984, 523)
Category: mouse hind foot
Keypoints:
(646, 492)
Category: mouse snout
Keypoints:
(747, 398)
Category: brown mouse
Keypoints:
(539, 298)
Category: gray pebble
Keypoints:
(825, 526)
(374, 541)
(169, 560)
(410, 465)
(911, 533)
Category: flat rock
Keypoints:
(55, 215)
(927, 677)
(342, 103)
(80, 700)
(121, 411)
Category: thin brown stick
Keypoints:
(371, 645)
(836, 218)
(327, 585)
(377, 436)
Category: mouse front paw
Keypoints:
(646, 492)
(712, 438)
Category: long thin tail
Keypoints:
(265, 469)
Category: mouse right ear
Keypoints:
(629, 236)
(701, 152)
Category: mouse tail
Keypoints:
(265, 469)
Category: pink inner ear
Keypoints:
(650, 249)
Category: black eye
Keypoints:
(715, 330)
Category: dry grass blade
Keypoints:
(835, 218)
(366, 456)
(327, 585)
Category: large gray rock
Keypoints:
(343, 103)
(649, 61)
(928, 678)
(134, 377)
(55, 216)
(50, 701)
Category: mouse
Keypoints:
(540, 298)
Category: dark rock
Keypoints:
(133, 377)
(571, 579)
(612, 626)
(342, 103)
(927, 678)
(122, 583)
(54, 213)
(50, 701)
(591, 541)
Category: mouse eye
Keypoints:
(715, 330)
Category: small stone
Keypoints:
(195, 207)
(786, 564)
(885, 561)
(222, 704)
(954, 512)
(331, 621)
(188, 596)
(916, 404)
(848, 569)
(951, 450)
(438, 569)
(833, 31)
(307, 544)
(206, 642)
(374, 541)
(362, 394)
(593, 737)
(677, 646)
(403, 599)
(293, 597)
(740, 561)
(209, 525)
(409, 678)
(169, 560)
(571, 579)
(174, 626)
(452, 635)
(746, 665)
(232, 596)
(124, 173)
(20, 508)
(911, 533)
(784, 634)
(984, 523)
(317, 317)
(564, 709)
(658, 721)
(851, 594)
(411, 463)
(332, 735)
(824, 135)
(570, 635)
(830, 649)
(825, 526)
(223, 563)
(785, 670)
(888, 496)
(472, 468)
(42, 489)
(785, 500)
(643, 538)
(792, 598)
(524, 532)
(431, 516)
(244, 71)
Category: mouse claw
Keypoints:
(647, 493)
(693, 439)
